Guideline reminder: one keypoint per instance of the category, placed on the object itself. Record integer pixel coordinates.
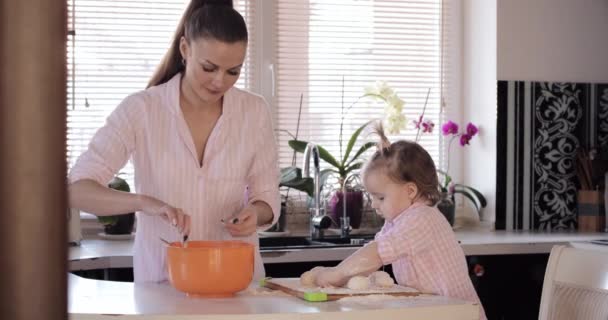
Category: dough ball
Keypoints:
(381, 279)
(358, 283)
(308, 278)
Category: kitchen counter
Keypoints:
(102, 254)
(586, 245)
(94, 299)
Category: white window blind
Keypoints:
(319, 43)
(114, 47)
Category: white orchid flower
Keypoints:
(394, 119)
(396, 102)
(381, 89)
(395, 122)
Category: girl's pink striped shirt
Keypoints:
(239, 167)
(425, 254)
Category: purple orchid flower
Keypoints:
(449, 128)
(471, 130)
(464, 139)
(427, 126)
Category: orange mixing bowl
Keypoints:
(210, 268)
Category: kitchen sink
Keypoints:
(355, 240)
(304, 242)
(290, 242)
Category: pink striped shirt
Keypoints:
(425, 254)
(239, 167)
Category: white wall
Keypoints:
(553, 40)
(479, 99)
(533, 40)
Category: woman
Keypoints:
(203, 151)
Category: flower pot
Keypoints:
(123, 224)
(447, 207)
(354, 207)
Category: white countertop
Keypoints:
(101, 254)
(496, 242)
(93, 299)
(590, 246)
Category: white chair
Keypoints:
(575, 285)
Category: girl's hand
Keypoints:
(330, 277)
(244, 223)
(175, 216)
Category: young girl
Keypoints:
(416, 238)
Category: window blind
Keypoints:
(114, 46)
(326, 47)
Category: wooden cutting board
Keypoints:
(293, 287)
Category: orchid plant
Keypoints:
(345, 164)
(394, 119)
(450, 129)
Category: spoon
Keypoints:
(184, 241)
(184, 244)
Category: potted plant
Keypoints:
(291, 177)
(447, 187)
(121, 223)
(343, 170)
(347, 163)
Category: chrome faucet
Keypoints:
(345, 227)
(318, 220)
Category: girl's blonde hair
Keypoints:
(405, 161)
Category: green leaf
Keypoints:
(446, 182)
(448, 179)
(467, 194)
(300, 146)
(303, 184)
(478, 195)
(352, 141)
(107, 220)
(297, 145)
(291, 177)
(363, 148)
(328, 157)
(119, 184)
(354, 166)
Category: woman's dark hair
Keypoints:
(405, 161)
(211, 19)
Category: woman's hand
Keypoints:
(244, 223)
(175, 216)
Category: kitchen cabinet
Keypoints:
(509, 286)
(111, 274)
